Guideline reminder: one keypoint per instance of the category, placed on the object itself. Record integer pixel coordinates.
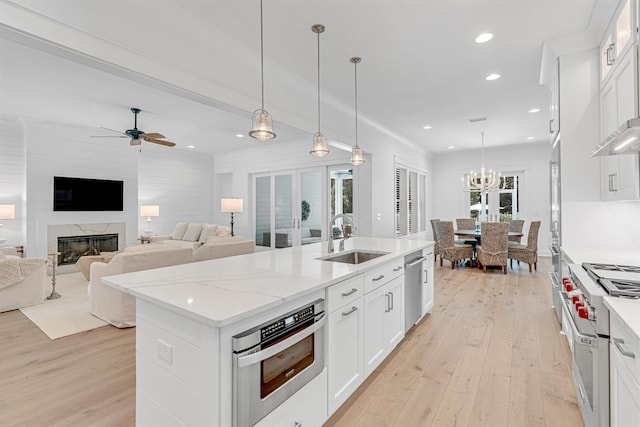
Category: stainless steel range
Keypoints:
(588, 330)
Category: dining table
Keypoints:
(477, 234)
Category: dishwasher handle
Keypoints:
(415, 262)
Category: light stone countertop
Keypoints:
(223, 291)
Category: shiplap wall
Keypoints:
(13, 178)
(32, 153)
(180, 182)
(55, 149)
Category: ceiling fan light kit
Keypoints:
(319, 148)
(262, 129)
(137, 136)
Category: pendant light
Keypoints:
(319, 141)
(356, 152)
(262, 123)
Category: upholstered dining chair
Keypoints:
(516, 225)
(493, 249)
(527, 253)
(466, 224)
(436, 246)
(450, 250)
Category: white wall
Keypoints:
(13, 178)
(180, 182)
(450, 202)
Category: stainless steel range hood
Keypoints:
(625, 140)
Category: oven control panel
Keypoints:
(287, 322)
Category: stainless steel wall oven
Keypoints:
(274, 360)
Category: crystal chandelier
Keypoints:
(484, 181)
(319, 141)
(262, 123)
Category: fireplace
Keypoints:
(73, 247)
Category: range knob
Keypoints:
(586, 313)
(568, 286)
(575, 299)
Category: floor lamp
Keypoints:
(231, 206)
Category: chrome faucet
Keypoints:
(345, 218)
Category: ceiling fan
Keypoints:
(136, 135)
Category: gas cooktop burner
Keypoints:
(611, 267)
(621, 288)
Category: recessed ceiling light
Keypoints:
(484, 37)
(239, 135)
(451, 147)
(191, 146)
(426, 127)
(531, 137)
(493, 76)
(534, 110)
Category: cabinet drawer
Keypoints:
(627, 343)
(344, 292)
(381, 275)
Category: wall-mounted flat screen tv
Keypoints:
(82, 194)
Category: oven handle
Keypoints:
(261, 355)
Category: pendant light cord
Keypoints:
(261, 55)
(355, 68)
(318, 82)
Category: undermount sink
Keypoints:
(354, 256)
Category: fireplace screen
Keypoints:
(73, 247)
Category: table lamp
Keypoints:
(6, 212)
(231, 206)
(149, 211)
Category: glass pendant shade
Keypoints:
(319, 145)
(262, 126)
(356, 156)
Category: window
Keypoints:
(501, 207)
(410, 201)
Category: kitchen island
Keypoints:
(188, 314)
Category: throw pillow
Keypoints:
(178, 232)
(193, 232)
(223, 231)
(208, 230)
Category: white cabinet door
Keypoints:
(376, 304)
(427, 282)
(625, 392)
(306, 408)
(393, 324)
(554, 106)
(384, 322)
(345, 350)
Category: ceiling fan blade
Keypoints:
(124, 135)
(161, 142)
(152, 135)
(108, 136)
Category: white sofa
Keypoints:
(221, 247)
(119, 308)
(192, 234)
(23, 282)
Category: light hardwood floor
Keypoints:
(490, 354)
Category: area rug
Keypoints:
(67, 315)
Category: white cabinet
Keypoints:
(618, 37)
(621, 177)
(624, 373)
(427, 282)
(306, 408)
(384, 322)
(346, 340)
(554, 106)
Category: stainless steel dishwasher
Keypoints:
(412, 288)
